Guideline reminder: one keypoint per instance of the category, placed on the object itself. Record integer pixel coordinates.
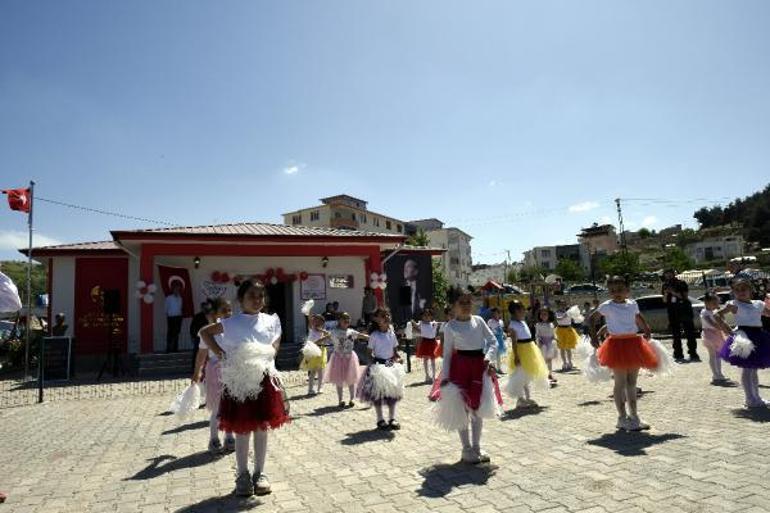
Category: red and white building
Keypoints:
(336, 266)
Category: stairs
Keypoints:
(288, 357)
(155, 365)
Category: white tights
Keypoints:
(715, 362)
(566, 357)
(750, 382)
(311, 377)
(242, 452)
(432, 374)
(625, 391)
(351, 392)
(391, 411)
(472, 440)
(214, 426)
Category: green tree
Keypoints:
(687, 236)
(532, 273)
(440, 285)
(419, 239)
(621, 264)
(570, 270)
(512, 277)
(17, 272)
(676, 258)
(644, 233)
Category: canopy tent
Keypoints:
(10, 301)
(492, 286)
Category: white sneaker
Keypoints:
(261, 485)
(522, 403)
(622, 423)
(637, 424)
(531, 403)
(470, 456)
(483, 456)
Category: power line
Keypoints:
(104, 212)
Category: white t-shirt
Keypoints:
(344, 341)
(544, 330)
(470, 335)
(428, 329)
(748, 314)
(521, 329)
(383, 344)
(212, 356)
(314, 335)
(495, 324)
(245, 328)
(562, 319)
(173, 306)
(621, 317)
(708, 320)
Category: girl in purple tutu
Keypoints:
(215, 309)
(748, 346)
(344, 369)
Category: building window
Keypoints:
(545, 252)
(376, 221)
(388, 225)
(399, 228)
(362, 217)
(296, 219)
(315, 215)
(337, 215)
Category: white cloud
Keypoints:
(649, 221)
(492, 183)
(292, 168)
(584, 206)
(11, 240)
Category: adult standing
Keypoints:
(369, 305)
(173, 318)
(680, 316)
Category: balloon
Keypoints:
(216, 276)
(225, 277)
(148, 298)
(151, 288)
(303, 276)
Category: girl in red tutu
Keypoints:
(428, 346)
(215, 309)
(624, 350)
(469, 392)
(252, 397)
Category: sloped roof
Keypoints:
(107, 246)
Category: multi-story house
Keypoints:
(457, 261)
(346, 213)
(717, 248)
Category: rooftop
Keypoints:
(255, 230)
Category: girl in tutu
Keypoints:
(624, 350)
(315, 365)
(748, 347)
(383, 381)
(544, 335)
(428, 346)
(567, 337)
(526, 363)
(469, 390)
(497, 325)
(343, 369)
(214, 309)
(253, 398)
(713, 337)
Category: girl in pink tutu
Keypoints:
(713, 337)
(252, 400)
(343, 369)
(214, 309)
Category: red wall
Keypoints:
(92, 277)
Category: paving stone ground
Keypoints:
(124, 454)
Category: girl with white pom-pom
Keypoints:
(546, 341)
(526, 363)
(215, 309)
(625, 351)
(567, 337)
(252, 398)
(469, 391)
(748, 347)
(314, 354)
(383, 380)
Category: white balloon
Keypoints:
(151, 288)
(148, 298)
(374, 276)
(140, 284)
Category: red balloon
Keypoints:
(303, 276)
(269, 272)
(279, 271)
(225, 277)
(216, 276)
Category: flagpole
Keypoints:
(29, 282)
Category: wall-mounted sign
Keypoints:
(341, 281)
(314, 287)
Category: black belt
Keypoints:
(471, 352)
(525, 340)
(383, 361)
(750, 329)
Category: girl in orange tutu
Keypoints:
(427, 349)
(624, 350)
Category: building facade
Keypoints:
(482, 273)
(541, 256)
(344, 212)
(717, 248)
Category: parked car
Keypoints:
(654, 310)
(583, 288)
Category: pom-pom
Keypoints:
(575, 315)
(387, 381)
(594, 372)
(584, 349)
(242, 371)
(666, 364)
(516, 383)
(311, 350)
(741, 345)
(408, 333)
(450, 412)
(307, 307)
(187, 401)
(488, 407)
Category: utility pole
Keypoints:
(623, 245)
(507, 259)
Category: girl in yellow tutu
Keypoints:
(312, 362)
(566, 337)
(526, 363)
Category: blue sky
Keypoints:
(496, 117)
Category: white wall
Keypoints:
(349, 299)
(63, 290)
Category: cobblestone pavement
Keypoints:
(704, 453)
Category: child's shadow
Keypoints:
(367, 436)
(439, 480)
(519, 413)
(226, 503)
(632, 443)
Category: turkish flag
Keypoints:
(171, 275)
(19, 199)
